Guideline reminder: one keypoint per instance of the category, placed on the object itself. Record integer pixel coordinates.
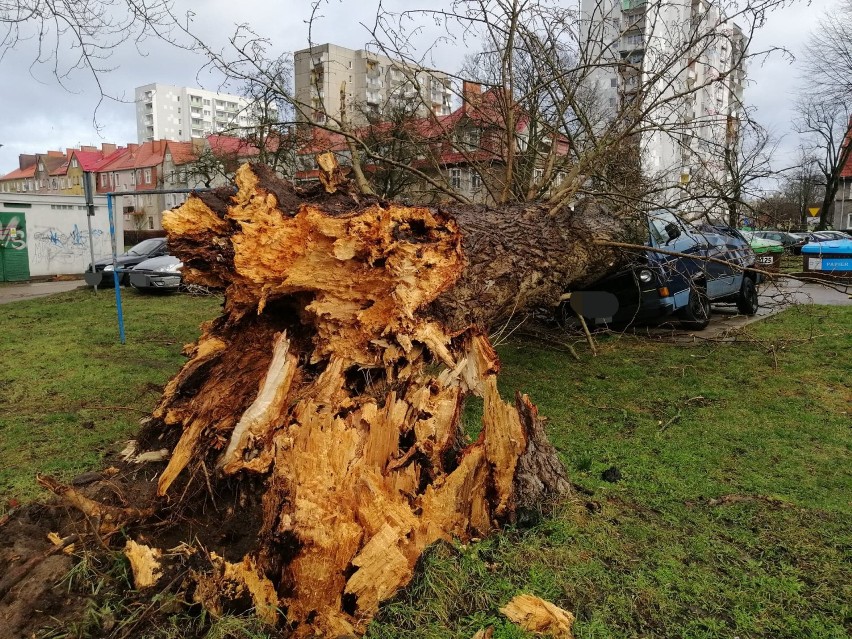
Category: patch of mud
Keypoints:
(43, 597)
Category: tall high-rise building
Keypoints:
(372, 85)
(167, 112)
(679, 63)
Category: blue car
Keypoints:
(657, 284)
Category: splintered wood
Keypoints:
(330, 375)
(539, 616)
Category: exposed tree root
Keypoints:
(338, 374)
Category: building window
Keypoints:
(475, 180)
(148, 176)
(133, 178)
(74, 164)
(613, 82)
(150, 223)
(455, 178)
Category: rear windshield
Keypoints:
(146, 246)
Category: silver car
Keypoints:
(157, 274)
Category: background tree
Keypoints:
(825, 106)
(825, 126)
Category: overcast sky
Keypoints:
(36, 114)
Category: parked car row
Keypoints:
(768, 253)
(147, 266)
(793, 242)
(690, 269)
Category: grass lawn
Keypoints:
(731, 517)
(71, 391)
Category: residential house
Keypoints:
(47, 164)
(22, 179)
(841, 217)
(54, 172)
(177, 162)
(86, 159)
(133, 171)
(464, 152)
(136, 171)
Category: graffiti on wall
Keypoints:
(50, 244)
(12, 236)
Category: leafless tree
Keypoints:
(825, 106)
(828, 56)
(553, 63)
(81, 35)
(825, 126)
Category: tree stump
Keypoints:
(352, 333)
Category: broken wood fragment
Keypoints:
(539, 616)
(144, 563)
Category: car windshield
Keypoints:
(658, 221)
(145, 247)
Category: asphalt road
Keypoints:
(774, 298)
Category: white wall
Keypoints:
(57, 239)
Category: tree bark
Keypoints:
(352, 333)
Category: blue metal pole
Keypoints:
(115, 270)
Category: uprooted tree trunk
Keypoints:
(353, 331)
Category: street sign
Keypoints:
(814, 211)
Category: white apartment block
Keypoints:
(372, 84)
(166, 112)
(682, 59)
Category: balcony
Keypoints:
(633, 42)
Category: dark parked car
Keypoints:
(656, 284)
(157, 274)
(145, 250)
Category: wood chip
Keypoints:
(539, 616)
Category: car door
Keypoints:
(720, 277)
(669, 232)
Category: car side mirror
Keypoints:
(672, 230)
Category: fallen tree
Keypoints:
(352, 333)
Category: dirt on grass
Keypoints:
(79, 584)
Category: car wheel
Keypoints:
(747, 302)
(696, 314)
